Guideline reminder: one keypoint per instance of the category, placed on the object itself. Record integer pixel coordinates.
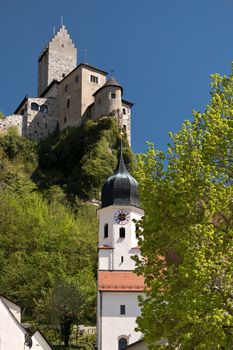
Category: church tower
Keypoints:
(118, 286)
(57, 59)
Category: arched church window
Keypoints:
(122, 232)
(122, 343)
(44, 109)
(34, 106)
(106, 231)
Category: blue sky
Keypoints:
(161, 51)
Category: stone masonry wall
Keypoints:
(11, 120)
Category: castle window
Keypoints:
(122, 232)
(122, 309)
(106, 231)
(122, 259)
(34, 106)
(113, 95)
(124, 111)
(68, 103)
(44, 109)
(122, 343)
(124, 127)
(65, 120)
(76, 79)
(66, 88)
(46, 125)
(94, 79)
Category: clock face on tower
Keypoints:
(121, 216)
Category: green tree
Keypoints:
(187, 194)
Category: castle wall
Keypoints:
(41, 122)
(12, 120)
(105, 104)
(89, 87)
(125, 121)
(70, 100)
(43, 72)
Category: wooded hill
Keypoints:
(48, 228)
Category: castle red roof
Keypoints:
(120, 281)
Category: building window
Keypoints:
(44, 109)
(94, 79)
(76, 79)
(65, 120)
(113, 95)
(68, 103)
(66, 88)
(124, 111)
(122, 259)
(122, 232)
(124, 127)
(137, 230)
(34, 106)
(122, 309)
(122, 343)
(106, 231)
(46, 125)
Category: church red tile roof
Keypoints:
(120, 281)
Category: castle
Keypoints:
(68, 94)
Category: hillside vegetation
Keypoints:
(48, 229)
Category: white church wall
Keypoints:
(116, 325)
(123, 246)
(39, 342)
(15, 309)
(12, 334)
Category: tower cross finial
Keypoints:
(61, 20)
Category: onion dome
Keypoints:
(120, 188)
(110, 82)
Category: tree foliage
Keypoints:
(187, 194)
(80, 159)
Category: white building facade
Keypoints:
(118, 286)
(13, 335)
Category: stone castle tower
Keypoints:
(57, 59)
(68, 94)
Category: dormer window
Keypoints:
(106, 231)
(122, 232)
(113, 95)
